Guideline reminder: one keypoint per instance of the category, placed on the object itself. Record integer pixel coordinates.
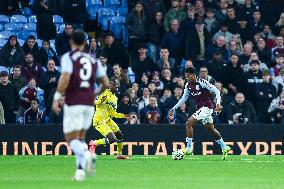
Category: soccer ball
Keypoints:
(177, 154)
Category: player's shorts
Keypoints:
(204, 115)
(106, 127)
(77, 117)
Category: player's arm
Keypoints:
(66, 71)
(182, 100)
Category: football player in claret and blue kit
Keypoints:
(201, 90)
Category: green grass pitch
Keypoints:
(208, 172)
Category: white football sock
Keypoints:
(79, 150)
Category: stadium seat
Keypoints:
(93, 3)
(52, 43)
(113, 4)
(4, 19)
(6, 34)
(116, 24)
(27, 11)
(39, 42)
(125, 35)
(60, 28)
(124, 3)
(12, 26)
(21, 42)
(122, 11)
(19, 19)
(29, 27)
(32, 19)
(104, 15)
(57, 19)
(2, 42)
(93, 10)
(25, 34)
(1, 27)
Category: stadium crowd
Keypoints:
(237, 45)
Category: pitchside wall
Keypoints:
(145, 140)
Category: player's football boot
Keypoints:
(92, 147)
(188, 151)
(79, 175)
(122, 157)
(225, 151)
(90, 162)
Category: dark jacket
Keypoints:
(217, 70)
(69, 7)
(33, 117)
(19, 83)
(264, 56)
(9, 97)
(232, 75)
(9, 60)
(139, 67)
(174, 43)
(62, 44)
(43, 57)
(156, 33)
(246, 109)
(34, 50)
(137, 26)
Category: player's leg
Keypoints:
(217, 137)
(105, 131)
(189, 134)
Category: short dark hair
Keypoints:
(189, 70)
(78, 37)
(152, 95)
(31, 37)
(35, 99)
(17, 66)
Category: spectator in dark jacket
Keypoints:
(54, 117)
(125, 106)
(94, 48)
(47, 53)
(217, 66)
(219, 44)
(265, 93)
(62, 40)
(151, 114)
(264, 53)
(256, 24)
(16, 78)
(241, 111)
(33, 115)
(11, 54)
(166, 61)
(9, 98)
(31, 69)
(276, 109)
(48, 83)
(152, 7)
(31, 46)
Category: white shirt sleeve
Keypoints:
(183, 98)
(100, 72)
(66, 63)
(205, 84)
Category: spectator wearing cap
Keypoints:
(211, 23)
(151, 114)
(16, 78)
(31, 46)
(142, 63)
(223, 31)
(47, 53)
(265, 93)
(62, 44)
(249, 81)
(173, 14)
(254, 57)
(216, 66)
(9, 98)
(279, 63)
(279, 49)
(31, 69)
(137, 25)
(144, 100)
(166, 61)
(263, 51)
(33, 115)
(115, 51)
(11, 54)
(278, 81)
(196, 43)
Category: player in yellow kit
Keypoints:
(106, 105)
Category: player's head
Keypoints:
(114, 84)
(78, 40)
(190, 74)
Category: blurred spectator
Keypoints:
(172, 100)
(223, 31)
(106, 66)
(136, 89)
(156, 80)
(121, 76)
(2, 118)
(137, 25)
(276, 109)
(249, 80)
(69, 7)
(233, 49)
(142, 63)
(47, 53)
(125, 106)
(9, 98)
(279, 49)
(263, 52)
(133, 118)
(31, 69)
(221, 13)
(187, 24)
(115, 51)
(33, 115)
(247, 10)
(10, 7)
(62, 44)
(279, 24)
(179, 81)
(151, 114)
(254, 57)
(182, 114)
(16, 78)
(132, 96)
(265, 93)
(224, 102)
(57, 118)
(185, 63)
(94, 47)
(152, 7)
(153, 89)
(173, 14)
(241, 111)
(167, 93)
(31, 46)
(46, 29)
(155, 35)
(166, 62)
(199, 8)
(11, 54)
(144, 81)
(144, 100)
(220, 45)
(256, 24)
(278, 81)
(268, 36)
(244, 58)
(236, 38)
(166, 78)
(48, 82)
(281, 33)
(211, 23)
(279, 63)
(232, 21)
(173, 41)
(203, 74)
(216, 66)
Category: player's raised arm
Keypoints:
(182, 100)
